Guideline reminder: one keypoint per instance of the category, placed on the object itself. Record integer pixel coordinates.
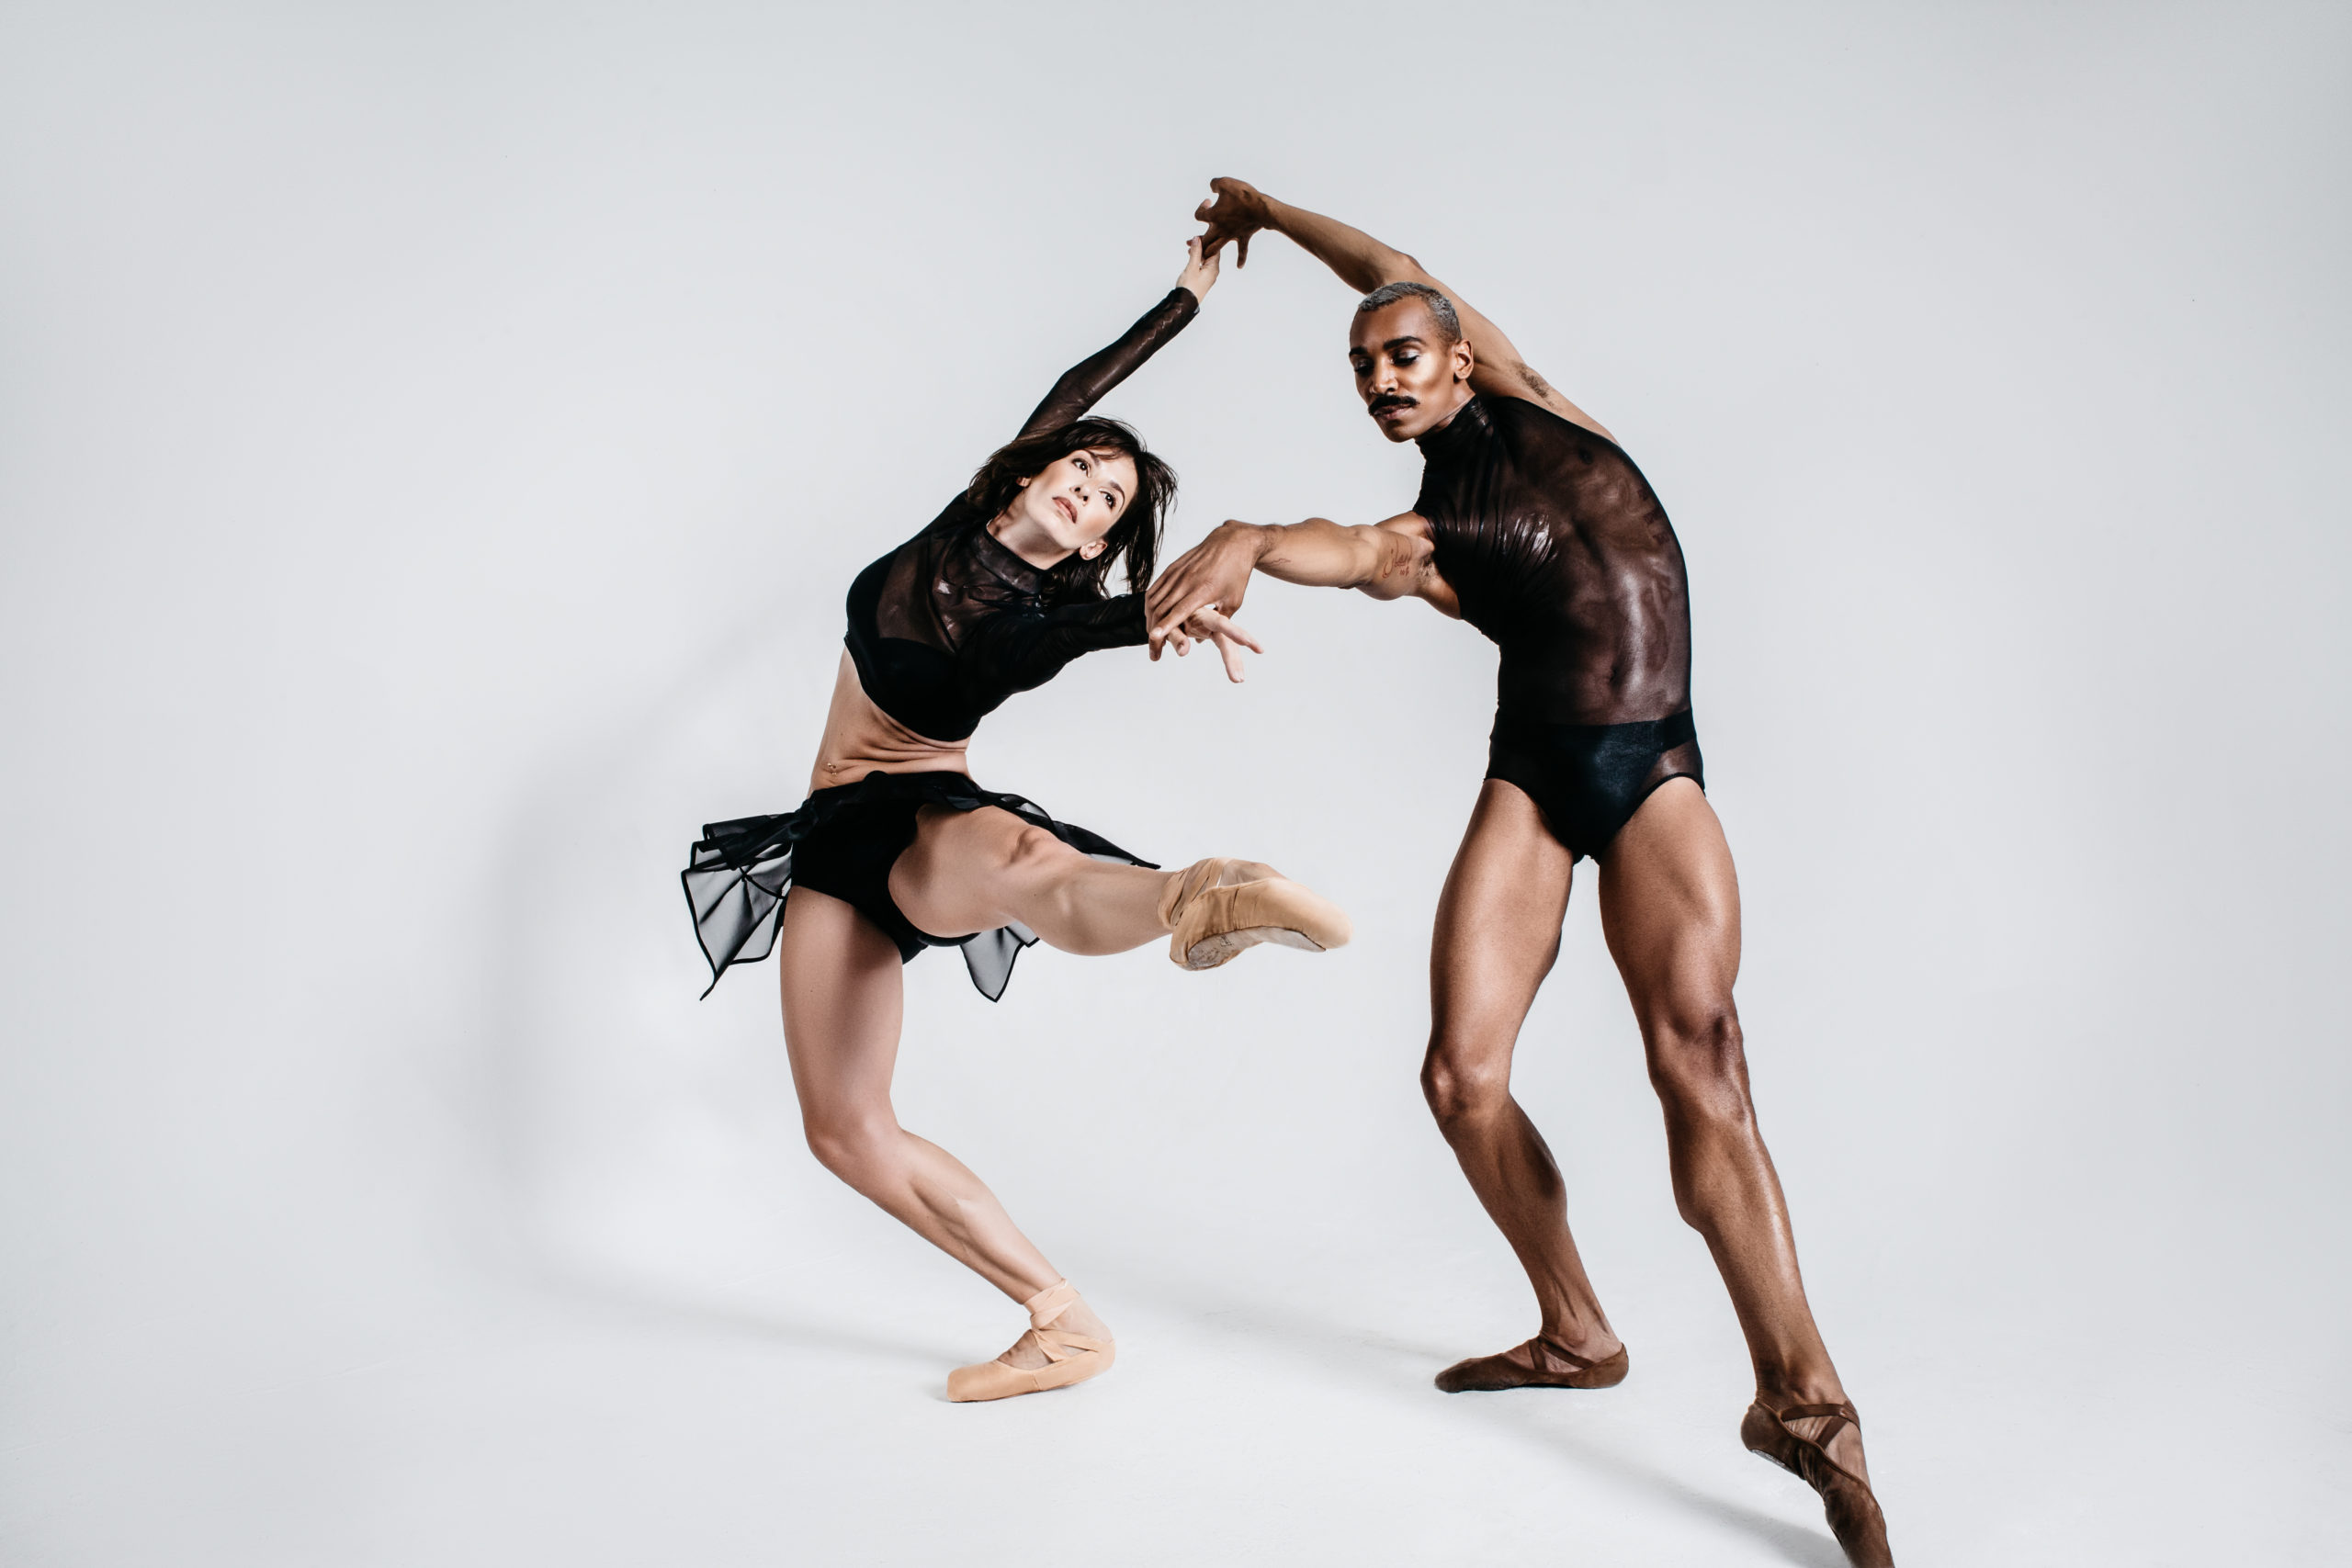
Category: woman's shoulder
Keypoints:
(958, 515)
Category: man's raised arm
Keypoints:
(1386, 560)
(1239, 209)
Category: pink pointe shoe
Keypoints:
(1069, 1358)
(1213, 915)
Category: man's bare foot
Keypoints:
(1078, 1319)
(1540, 1363)
(1821, 1443)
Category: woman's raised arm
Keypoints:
(1091, 379)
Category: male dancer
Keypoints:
(1532, 526)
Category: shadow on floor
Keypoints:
(1370, 1359)
(641, 1300)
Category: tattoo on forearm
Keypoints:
(1526, 373)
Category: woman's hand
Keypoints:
(1212, 575)
(1237, 211)
(1205, 625)
(1200, 269)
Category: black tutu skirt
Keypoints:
(842, 841)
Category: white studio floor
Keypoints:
(597, 1423)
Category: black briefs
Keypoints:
(1589, 779)
(842, 842)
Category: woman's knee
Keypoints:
(1462, 1085)
(1029, 859)
(858, 1148)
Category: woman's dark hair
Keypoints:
(1133, 539)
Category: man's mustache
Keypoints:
(1391, 401)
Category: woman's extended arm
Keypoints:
(1091, 379)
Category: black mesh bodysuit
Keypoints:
(951, 623)
(1558, 550)
(942, 630)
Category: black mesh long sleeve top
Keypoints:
(946, 626)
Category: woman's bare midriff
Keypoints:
(860, 739)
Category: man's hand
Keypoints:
(1201, 265)
(1212, 576)
(1237, 211)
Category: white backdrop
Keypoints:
(434, 443)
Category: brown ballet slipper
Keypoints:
(1212, 919)
(1540, 1363)
(1852, 1509)
(1069, 1358)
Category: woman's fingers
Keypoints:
(1230, 651)
(1208, 619)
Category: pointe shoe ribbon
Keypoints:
(1069, 1358)
(1211, 920)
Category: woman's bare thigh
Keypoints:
(844, 1001)
(953, 879)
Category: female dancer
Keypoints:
(898, 849)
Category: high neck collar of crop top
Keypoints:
(1000, 561)
(1457, 435)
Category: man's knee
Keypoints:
(1697, 1064)
(1461, 1087)
(856, 1149)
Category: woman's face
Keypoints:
(1075, 501)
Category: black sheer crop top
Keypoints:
(946, 626)
(1559, 550)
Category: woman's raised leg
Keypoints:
(844, 1000)
(973, 871)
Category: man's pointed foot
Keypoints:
(1845, 1498)
(1540, 1363)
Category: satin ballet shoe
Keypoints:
(1852, 1510)
(1546, 1364)
(1211, 920)
(1069, 1358)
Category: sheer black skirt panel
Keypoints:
(1589, 779)
(842, 842)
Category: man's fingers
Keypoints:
(1241, 258)
(1170, 620)
(1231, 653)
(1161, 594)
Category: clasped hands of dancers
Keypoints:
(1532, 526)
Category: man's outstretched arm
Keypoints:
(1239, 209)
(1387, 560)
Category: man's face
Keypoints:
(1411, 377)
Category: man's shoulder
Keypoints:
(1513, 414)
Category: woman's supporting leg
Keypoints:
(844, 1000)
(973, 871)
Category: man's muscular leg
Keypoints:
(1670, 906)
(1498, 933)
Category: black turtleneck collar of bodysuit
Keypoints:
(1558, 549)
(946, 626)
